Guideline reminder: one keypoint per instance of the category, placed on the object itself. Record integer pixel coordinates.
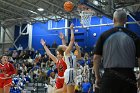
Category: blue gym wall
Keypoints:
(40, 30)
(135, 27)
(84, 37)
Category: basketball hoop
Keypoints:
(86, 18)
(86, 14)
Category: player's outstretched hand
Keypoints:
(42, 42)
(61, 35)
(71, 26)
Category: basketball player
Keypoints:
(61, 67)
(70, 60)
(6, 71)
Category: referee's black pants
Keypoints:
(118, 80)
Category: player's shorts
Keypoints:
(5, 82)
(59, 83)
(69, 76)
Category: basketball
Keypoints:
(68, 6)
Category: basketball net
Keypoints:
(86, 15)
(86, 18)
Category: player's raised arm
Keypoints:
(61, 35)
(78, 49)
(70, 46)
(48, 51)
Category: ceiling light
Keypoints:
(40, 9)
(96, 3)
(32, 11)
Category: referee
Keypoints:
(118, 49)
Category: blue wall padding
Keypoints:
(95, 20)
(41, 31)
(137, 16)
(106, 20)
(134, 27)
(76, 22)
(98, 30)
(91, 38)
(58, 24)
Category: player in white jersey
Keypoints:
(70, 72)
(70, 59)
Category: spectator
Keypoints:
(24, 68)
(20, 47)
(86, 86)
(14, 55)
(54, 45)
(51, 81)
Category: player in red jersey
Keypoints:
(6, 72)
(61, 67)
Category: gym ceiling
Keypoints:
(22, 11)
